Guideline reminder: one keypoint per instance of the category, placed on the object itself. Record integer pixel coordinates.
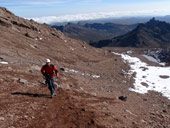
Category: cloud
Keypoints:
(44, 2)
(99, 15)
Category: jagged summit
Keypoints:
(152, 22)
(154, 33)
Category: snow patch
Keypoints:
(80, 73)
(72, 70)
(148, 75)
(95, 76)
(71, 48)
(2, 62)
(129, 52)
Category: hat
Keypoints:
(47, 60)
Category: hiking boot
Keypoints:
(53, 95)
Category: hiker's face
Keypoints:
(48, 63)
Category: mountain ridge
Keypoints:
(154, 33)
(94, 32)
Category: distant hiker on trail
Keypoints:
(48, 70)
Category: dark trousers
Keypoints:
(50, 82)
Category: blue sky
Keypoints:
(58, 8)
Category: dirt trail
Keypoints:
(81, 102)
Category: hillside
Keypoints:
(93, 89)
(151, 34)
(94, 31)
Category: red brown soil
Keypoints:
(82, 101)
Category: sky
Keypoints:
(49, 11)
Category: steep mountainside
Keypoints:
(25, 100)
(95, 31)
(152, 34)
(92, 90)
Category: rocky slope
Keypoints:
(92, 89)
(94, 31)
(151, 34)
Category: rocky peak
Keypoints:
(8, 19)
(153, 22)
(156, 23)
(159, 28)
(28, 28)
(4, 11)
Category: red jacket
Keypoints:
(50, 69)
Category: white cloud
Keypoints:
(99, 15)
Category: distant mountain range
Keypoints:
(95, 31)
(154, 33)
(120, 20)
(134, 20)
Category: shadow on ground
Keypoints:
(31, 94)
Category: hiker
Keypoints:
(48, 70)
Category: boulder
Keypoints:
(123, 98)
(11, 127)
(1, 12)
(31, 35)
(5, 23)
(62, 69)
(2, 118)
(23, 81)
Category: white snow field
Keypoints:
(148, 78)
